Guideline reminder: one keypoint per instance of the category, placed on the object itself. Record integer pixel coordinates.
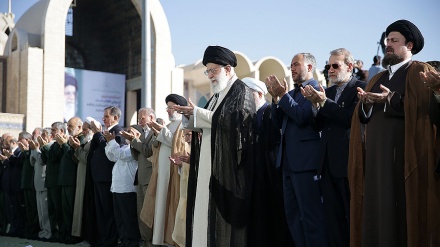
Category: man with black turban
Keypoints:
(220, 179)
(167, 179)
(395, 194)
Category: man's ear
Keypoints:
(410, 45)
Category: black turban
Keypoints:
(410, 32)
(70, 80)
(176, 99)
(219, 55)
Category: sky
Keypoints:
(282, 28)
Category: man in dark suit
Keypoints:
(101, 170)
(297, 154)
(333, 110)
(141, 150)
(51, 156)
(11, 185)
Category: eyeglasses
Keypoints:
(334, 66)
(188, 134)
(212, 71)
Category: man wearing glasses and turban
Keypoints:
(395, 194)
(220, 172)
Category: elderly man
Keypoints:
(220, 173)
(141, 150)
(50, 156)
(172, 142)
(39, 180)
(298, 153)
(67, 175)
(27, 185)
(268, 226)
(101, 171)
(80, 211)
(333, 110)
(395, 195)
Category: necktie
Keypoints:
(213, 102)
(338, 93)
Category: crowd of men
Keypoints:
(354, 164)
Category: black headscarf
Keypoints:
(410, 32)
(219, 55)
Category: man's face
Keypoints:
(54, 131)
(188, 134)
(396, 49)
(36, 133)
(6, 142)
(218, 76)
(86, 131)
(144, 119)
(46, 136)
(73, 128)
(343, 71)
(172, 115)
(70, 94)
(108, 119)
(298, 69)
(24, 141)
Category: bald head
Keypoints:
(74, 126)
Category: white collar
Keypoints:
(393, 68)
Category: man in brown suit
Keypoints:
(141, 151)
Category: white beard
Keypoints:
(175, 116)
(88, 137)
(222, 82)
(69, 111)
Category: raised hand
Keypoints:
(74, 142)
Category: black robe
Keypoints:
(231, 174)
(268, 224)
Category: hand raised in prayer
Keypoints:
(379, 97)
(185, 110)
(108, 136)
(275, 87)
(155, 126)
(42, 141)
(176, 160)
(432, 80)
(129, 135)
(23, 147)
(61, 139)
(95, 127)
(74, 142)
(7, 153)
(314, 95)
(3, 157)
(185, 158)
(34, 145)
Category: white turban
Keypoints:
(89, 121)
(255, 84)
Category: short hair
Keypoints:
(25, 135)
(47, 130)
(309, 59)
(348, 58)
(148, 111)
(114, 111)
(376, 59)
(60, 126)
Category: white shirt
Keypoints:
(124, 170)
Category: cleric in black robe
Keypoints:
(268, 224)
(228, 119)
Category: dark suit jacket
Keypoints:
(101, 166)
(299, 140)
(16, 170)
(334, 120)
(27, 176)
(68, 165)
(51, 156)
